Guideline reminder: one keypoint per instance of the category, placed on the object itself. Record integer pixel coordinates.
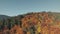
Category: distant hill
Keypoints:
(4, 17)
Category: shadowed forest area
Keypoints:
(31, 23)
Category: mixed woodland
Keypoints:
(31, 23)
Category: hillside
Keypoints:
(31, 23)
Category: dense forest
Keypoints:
(31, 23)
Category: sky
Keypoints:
(16, 7)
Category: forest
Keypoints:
(31, 23)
